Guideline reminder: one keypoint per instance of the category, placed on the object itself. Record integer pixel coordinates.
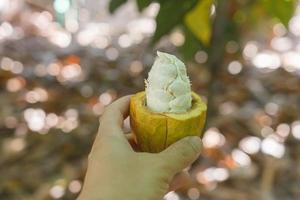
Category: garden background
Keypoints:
(63, 61)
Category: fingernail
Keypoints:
(195, 142)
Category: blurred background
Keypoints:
(63, 61)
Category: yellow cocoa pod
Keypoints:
(156, 131)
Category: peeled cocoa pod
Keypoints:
(156, 131)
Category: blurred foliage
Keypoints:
(196, 15)
(57, 78)
(281, 9)
(142, 4)
(115, 4)
(198, 20)
(171, 13)
(190, 46)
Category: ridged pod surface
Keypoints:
(156, 131)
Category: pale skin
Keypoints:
(116, 171)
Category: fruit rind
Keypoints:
(156, 131)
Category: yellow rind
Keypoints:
(156, 131)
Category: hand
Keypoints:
(116, 171)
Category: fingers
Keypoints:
(180, 180)
(112, 119)
(132, 141)
(110, 130)
(182, 153)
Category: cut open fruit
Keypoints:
(156, 131)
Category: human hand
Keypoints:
(116, 171)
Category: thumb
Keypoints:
(182, 153)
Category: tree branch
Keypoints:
(216, 52)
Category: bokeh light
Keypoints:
(177, 38)
(35, 118)
(57, 191)
(250, 144)
(234, 67)
(61, 6)
(201, 57)
(241, 158)
(213, 138)
(193, 193)
(250, 50)
(267, 59)
(75, 186)
(213, 174)
(171, 196)
(63, 61)
(296, 129)
(272, 147)
(15, 84)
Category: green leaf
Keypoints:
(191, 45)
(142, 4)
(115, 4)
(198, 21)
(281, 9)
(171, 13)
